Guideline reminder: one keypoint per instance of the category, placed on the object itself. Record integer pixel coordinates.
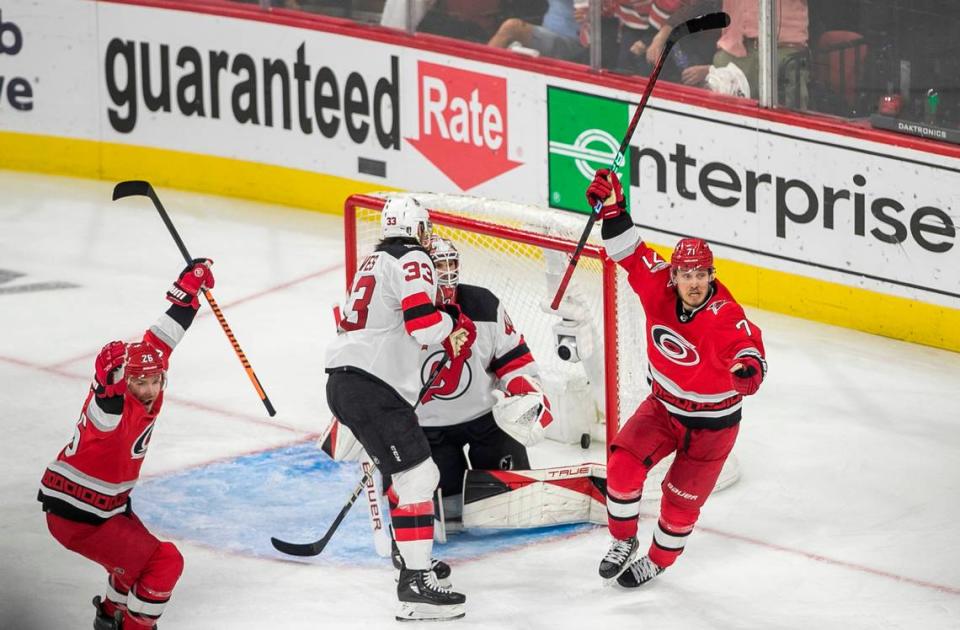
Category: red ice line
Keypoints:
(57, 368)
(207, 313)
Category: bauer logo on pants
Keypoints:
(464, 127)
(584, 133)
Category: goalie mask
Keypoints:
(446, 260)
(405, 217)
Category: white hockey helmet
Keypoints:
(405, 217)
(448, 275)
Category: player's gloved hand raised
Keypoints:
(606, 189)
(109, 360)
(194, 277)
(746, 374)
(464, 331)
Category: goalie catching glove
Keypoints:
(340, 443)
(524, 412)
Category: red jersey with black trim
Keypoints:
(388, 315)
(689, 354)
(92, 477)
(463, 390)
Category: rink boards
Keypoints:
(808, 217)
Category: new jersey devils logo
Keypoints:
(140, 447)
(673, 346)
(454, 379)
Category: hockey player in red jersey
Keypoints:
(374, 386)
(85, 491)
(703, 356)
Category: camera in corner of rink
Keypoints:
(565, 342)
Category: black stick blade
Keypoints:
(131, 188)
(294, 549)
(707, 22)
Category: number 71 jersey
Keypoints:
(387, 317)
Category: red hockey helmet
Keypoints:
(143, 359)
(692, 253)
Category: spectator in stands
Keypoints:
(738, 46)
(695, 50)
(395, 13)
(557, 36)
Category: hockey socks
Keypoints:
(413, 530)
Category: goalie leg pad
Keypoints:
(534, 498)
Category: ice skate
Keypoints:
(102, 621)
(640, 572)
(618, 557)
(439, 567)
(423, 598)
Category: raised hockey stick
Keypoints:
(707, 22)
(314, 548)
(139, 188)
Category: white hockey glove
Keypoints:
(524, 412)
(339, 443)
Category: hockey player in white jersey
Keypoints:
(461, 406)
(374, 386)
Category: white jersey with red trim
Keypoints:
(92, 477)
(464, 388)
(388, 315)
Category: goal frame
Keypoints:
(611, 356)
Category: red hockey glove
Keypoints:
(747, 379)
(606, 188)
(195, 276)
(464, 331)
(111, 357)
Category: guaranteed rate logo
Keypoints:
(265, 91)
(464, 130)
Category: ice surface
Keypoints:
(845, 516)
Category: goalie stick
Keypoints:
(140, 188)
(314, 548)
(707, 22)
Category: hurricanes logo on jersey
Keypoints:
(140, 447)
(454, 379)
(673, 346)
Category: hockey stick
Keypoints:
(707, 22)
(139, 188)
(314, 548)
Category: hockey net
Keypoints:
(520, 253)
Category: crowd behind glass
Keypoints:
(871, 62)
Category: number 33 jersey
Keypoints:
(387, 316)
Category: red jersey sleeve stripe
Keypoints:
(419, 322)
(415, 300)
(513, 360)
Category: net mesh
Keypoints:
(525, 276)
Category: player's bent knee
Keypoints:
(625, 474)
(417, 484)
(169, 557)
